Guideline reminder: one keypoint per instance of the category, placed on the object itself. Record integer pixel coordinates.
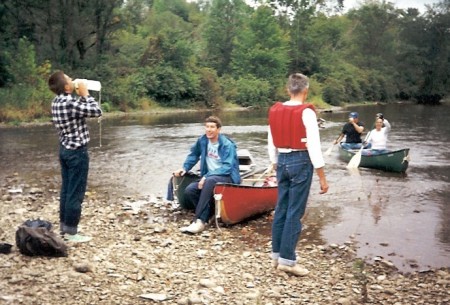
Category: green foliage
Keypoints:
(27, 95)
(171, 86)
(200, 54)
(127, 91)
(162, 64)
(209, 91)
(333, 92)
(224, 21)
(349, 84)
(106, 107)
(261, 48)
(315, 95)
(176, 7)
(22, 71)
(302, 52)
(376, 86)
(374, 34)
(247, 91)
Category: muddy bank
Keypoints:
(138, 256)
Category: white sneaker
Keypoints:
(274, 262)
(77, 238)
(194, 228)
(295, 270)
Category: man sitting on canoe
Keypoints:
(218, 163)
(352, 131)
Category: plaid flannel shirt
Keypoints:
(69, 117)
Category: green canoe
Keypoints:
(392, 161)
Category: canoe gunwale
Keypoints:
(245, 186)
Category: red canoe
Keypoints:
(239, 202)
(235, 202)
(256, 194)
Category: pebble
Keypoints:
(154, 296)
(82, 267)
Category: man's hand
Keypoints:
(201, 182)
(323, 186)
(273, 168)
(322, 180)
(81, 89)
(179, 173)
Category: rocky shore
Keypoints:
(138, 256)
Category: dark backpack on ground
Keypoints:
(36, 238)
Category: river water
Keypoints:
(404, 218)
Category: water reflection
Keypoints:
(404, 218)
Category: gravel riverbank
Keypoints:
(138, 256)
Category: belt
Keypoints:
(73, 148)
(289, 150)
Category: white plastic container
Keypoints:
(90, 84)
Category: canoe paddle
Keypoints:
(269, 169)
(356, 159)
(329, 150)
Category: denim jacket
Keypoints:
(228, 157)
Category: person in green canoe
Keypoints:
(352, 131)
(378, 137)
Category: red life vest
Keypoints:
(286, 125)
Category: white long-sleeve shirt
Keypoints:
(312, 135)
(378, 138)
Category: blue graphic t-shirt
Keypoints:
(213, 159)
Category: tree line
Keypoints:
(206, 53)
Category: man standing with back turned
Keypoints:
(294, 149)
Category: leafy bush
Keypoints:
(106, 107)
(28, 96)
(333, 92)
(171, 86)
(209, 91)
(248, 91)
(380, 87)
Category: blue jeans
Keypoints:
(202, 199)
(354, 146)
(74, 173)
(294, 176)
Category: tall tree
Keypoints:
(62, 30)
(374, 34)
(261, 48)
(437, 72)
(302, 53)
(225, 19)
(411, 53)
(423, 54)
(167, 63)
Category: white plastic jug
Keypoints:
(90, 84)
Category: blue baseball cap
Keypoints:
(353, 115)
